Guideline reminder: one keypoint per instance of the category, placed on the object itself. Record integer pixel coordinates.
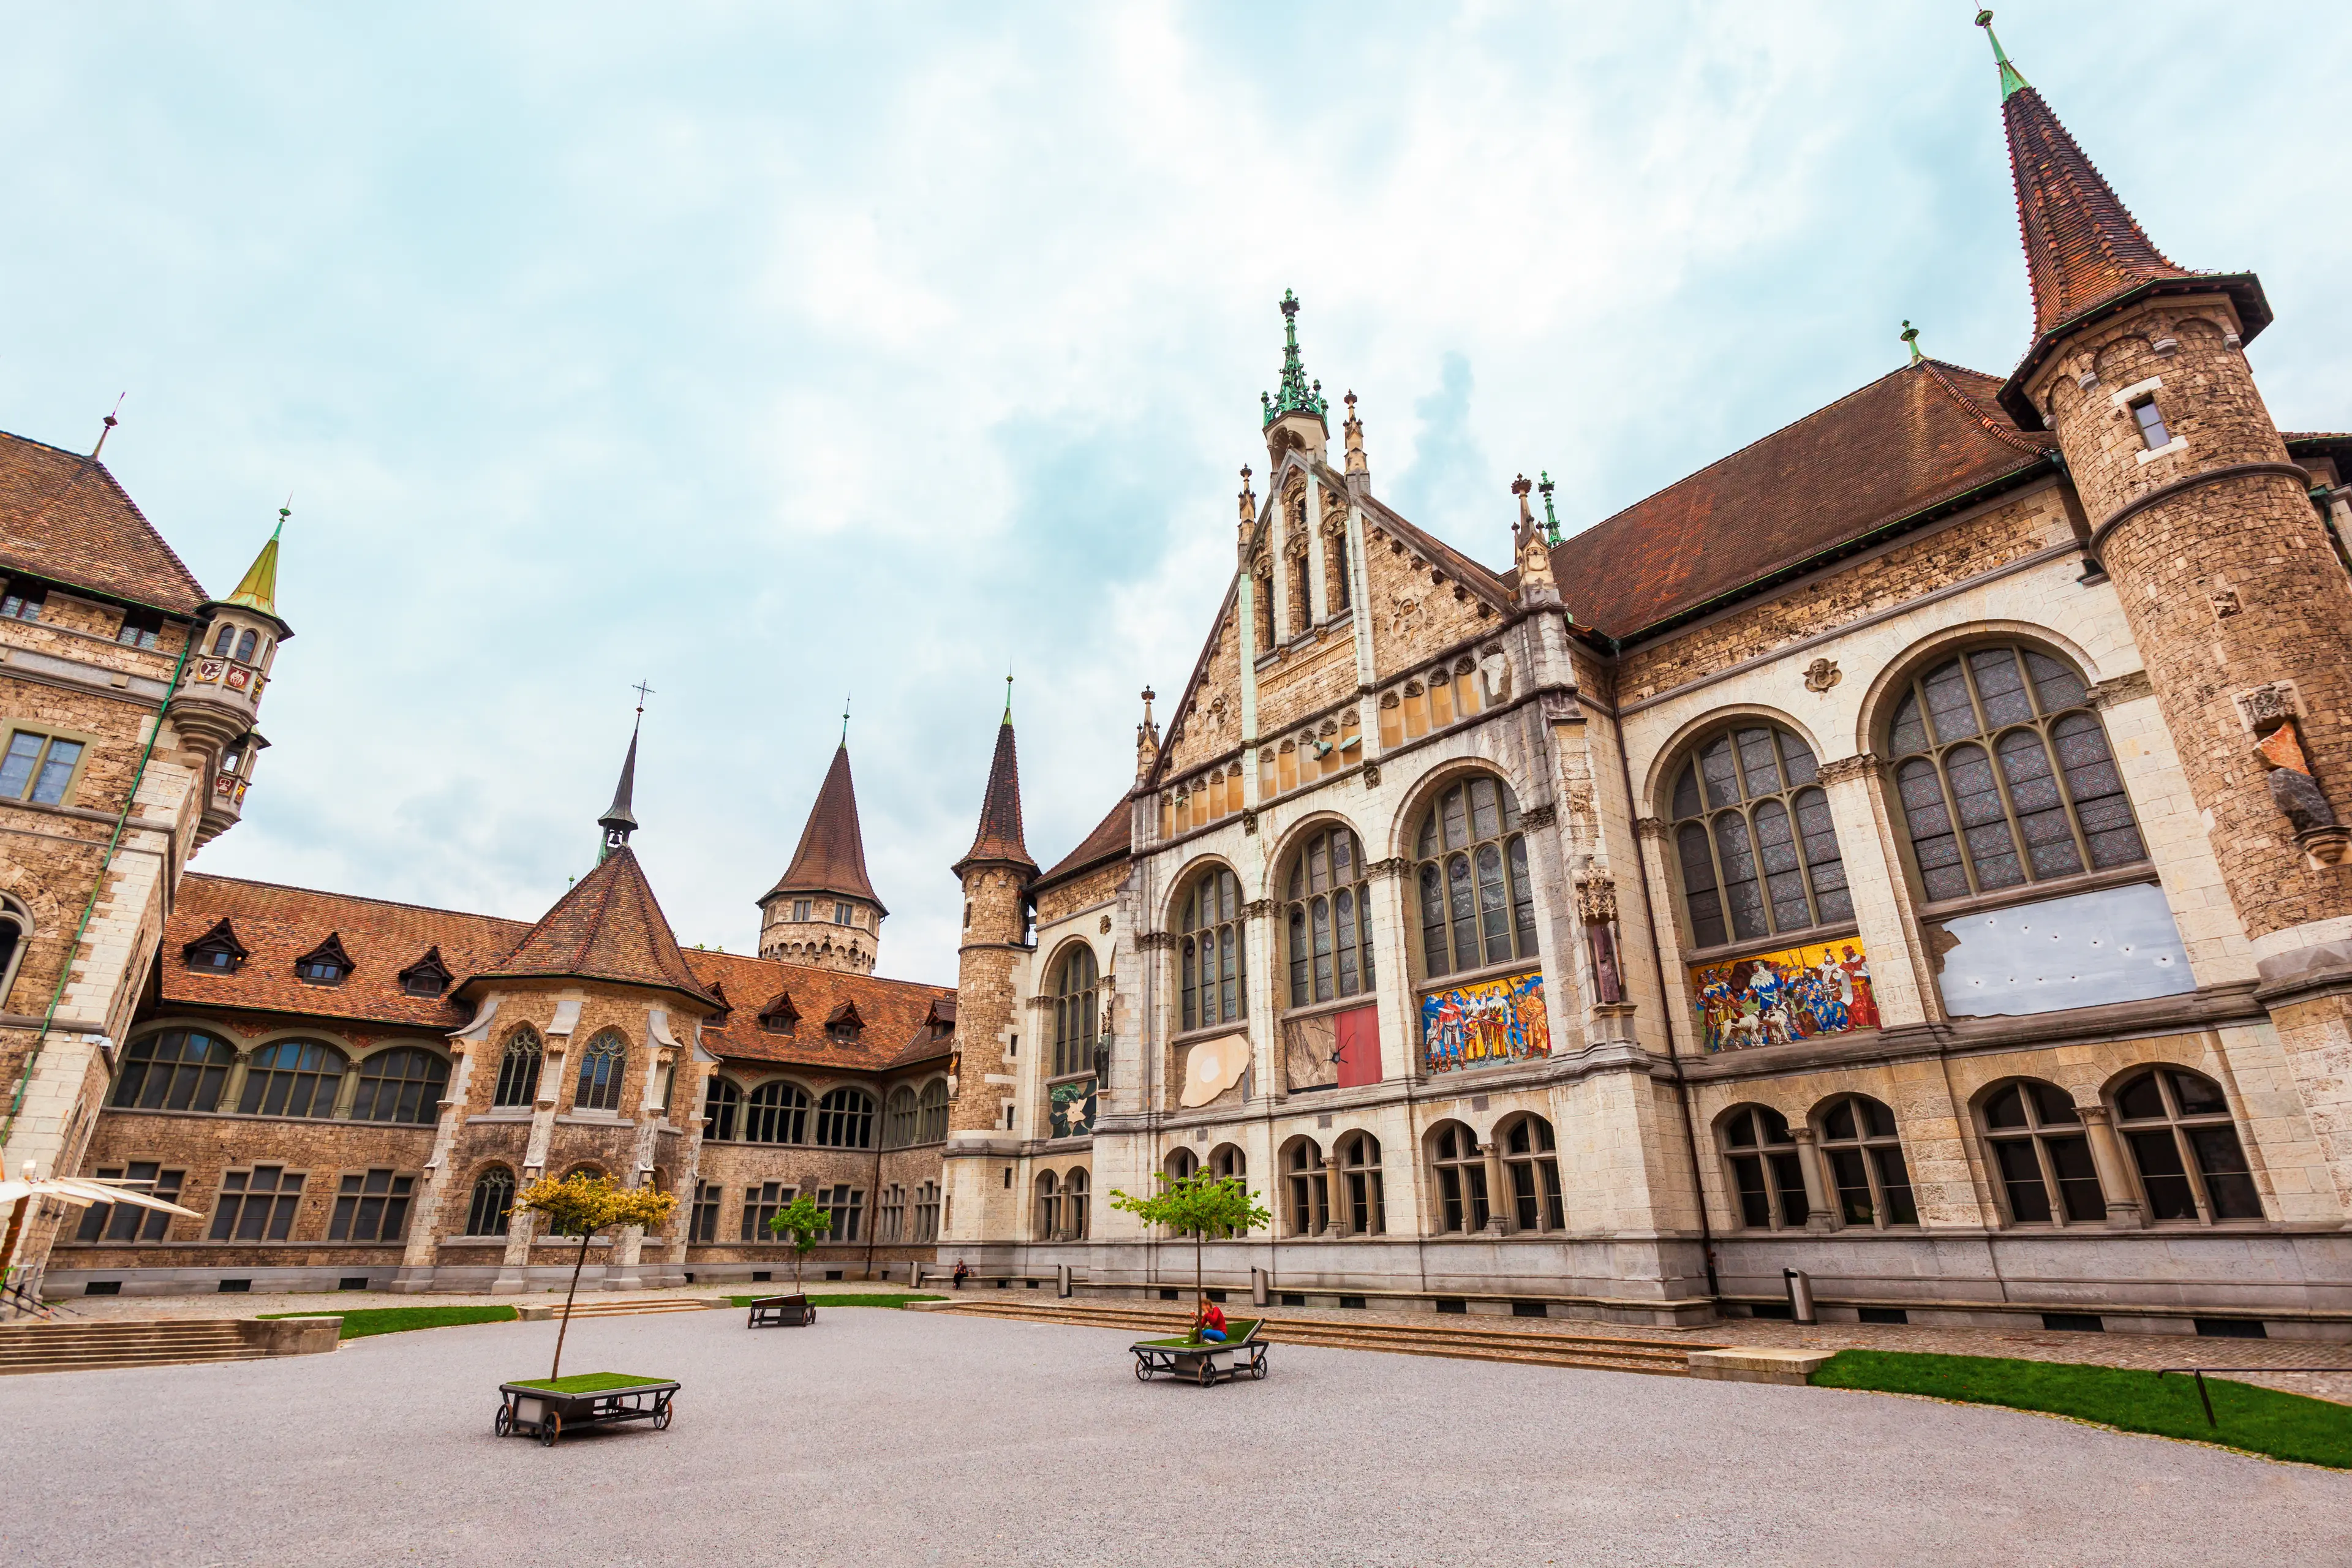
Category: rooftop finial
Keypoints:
(1353, 428)
(845, 718)
(1296, 397)
(619, 821)
(2011, 81)
(1910, 336)
(1008, 697)
(1526, 528)
(1552, 518)
(106, 425)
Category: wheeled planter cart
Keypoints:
(550, 1407)
(782, 1313)
(1206, 1363)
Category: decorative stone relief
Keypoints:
(1404, 611)
(1596, 900)
(1838, 770)
(1106, 925)
(2126, 687)
(1542, 815)
(1371, 775)
(1495, 670)
(1822, 674)
(1249, 821)
(2265, 708)
(1650, 827)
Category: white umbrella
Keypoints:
(81, 1191)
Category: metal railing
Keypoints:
(2199, 1371)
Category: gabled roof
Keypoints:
(832, 855)
(609, 927)
(1875, 461)
(1111, 840)
(64, 518)
(896, 1014)
(999, 836)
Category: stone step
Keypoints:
(96, 1361)
(538, 1313)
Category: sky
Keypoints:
(771, 355)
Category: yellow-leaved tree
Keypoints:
(581, 1205)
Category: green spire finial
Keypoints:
(1296, 397)
(845, 718)
(1910, 336)
(1552, 518)
(1008, 697)
(2010, 80)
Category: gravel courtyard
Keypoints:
(884, 1436)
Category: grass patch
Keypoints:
(588, 1382)
(892, 1299)
(2259, 1420)
(359, 1323)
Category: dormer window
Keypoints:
(428, 976)
(217, 951)
(844, 1023)
(780, 1016)
(140, 628)
(325, 965)
(2151, 424)
(718, 1020)
(23, 600)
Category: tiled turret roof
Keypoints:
(999, 837)
(608, 927)
(2082, 244)
(832, 855)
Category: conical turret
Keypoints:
(824, 911)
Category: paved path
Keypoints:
(883, 1437)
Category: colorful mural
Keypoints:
(1484, 1024)
(1073, 1108)
(1778, 998)
(1332, 1050)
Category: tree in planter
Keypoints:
(1207, 1205)
(581, 1205)
(802, 1224)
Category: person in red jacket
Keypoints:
(1209, 1322)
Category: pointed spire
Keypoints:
(1147, 739)
(831, 854)
(1552, 518)
(2011, 82)
(618, 821)
(1353, 430)
(999, 836)
(1526, 530)
(1296, 395)
(1910, 338)
(258, 589)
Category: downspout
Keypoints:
(873, 1219)
(98, 886)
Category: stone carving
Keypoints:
(1596, 900)
(1496, 671)
(2125, 688)
(1404, 611)
(1249, 821)
(1822, 674)
(1371, 775)
(1542, 815)
(1152, 940)
(2225, 603)
(1838, 770)
(1650, 827)
(1534, 569)
(2266, 706)
(1106, 925)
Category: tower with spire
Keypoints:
(1295, 412)
(997, 873)
(220, 692)
(822, 912)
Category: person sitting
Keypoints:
(1209, 1322)
(963, 1273)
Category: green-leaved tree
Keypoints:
(802, 1224)
(1209, 1206)
(581, 1205)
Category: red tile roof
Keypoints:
(276, 924)
(999, 837)
(64, 518)
(894, 1014)
(832, 855)
(1909, 442)
(1110, 840)
(2082, 245)
(608, 927)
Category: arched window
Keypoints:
(1360, 1170)
(493, 1203)
(927, 1212)
(1212, 951)
(899, 1118)
(722, 1103)
(224, 641)
(1753, 836)
(1180, 1164)
(2039, 1147)
(1074, 1206)
(1049, 1206)
(1985, 804)
(1531, 1165)
(845, 1119)
(1328, 919)
(602, 1067)
(1477, 907)
(1864, 1162)
(1305, 1189)
(244, 646)
(180, 1069)
(292, 1078)
(1075, 1013)
(16, 933)
(777, 1113)
(401, 1085)
(931, 1122)
(1461, 1179)
(518, 1069)
(2185, 1147)
(1337, 595)
(1229, 1164)
(1263, 604)
(1766, 1173)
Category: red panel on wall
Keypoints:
(1358, 1033)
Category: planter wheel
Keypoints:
(503, 1422)
(661, 1417)
(1208, 1373)
(1257, 1367)
(550, 1430)
(1142, 1370)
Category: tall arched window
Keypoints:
(2039, 1147)
(180, 1069)
(1227, 1163)
(518, 1069)
(776, 1113)
(1049, 1205)
(1328, 919)
(931, 1112)
(899, 1118)
(1074, 1206)
(845, 1119)
(1477, 907)
(1461, 1179)
(493, 1203)
(292, 1078)
(602, 1067)
(1211, 953)
(1180, 1164)
(15, 932)
(1765, 1171)
(1075, 1013)
(722, 1102)
(2185, 1147)
(1360, 1171)
(1337, 594)
(1531, 1165)
(1753, 836)
(1865, 1162)
(401, 1085)
(1305, 1189)
(2005, 777)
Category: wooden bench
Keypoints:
(782, 1313)
(1206, 1362)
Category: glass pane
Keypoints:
(1343, 909)
(2139, 1099)
(2020, 1176)
(1908, 732)
(1784, 877)
(1461, 896)
(2000, 687)
(1817, 837)
(1698, 886)
(1457, 834)
(1789, 1177)
(1894, 1181)
(2162, 1176)
(2196, 1096)
(1948, 708)
(2223, 1164)
(1839, 1122)
(2006, 1109)
(56, 768)
(2051, 1106)
(1774, 1125)
(1716, 766)
(2119, 944)
(1318, 864)
(1755, 1207)
(1299, 954)
(1740, 891)
(2097, 789)
(1322, 917)
(2078, 1179)
(1852, 1182)
(16, 770)
(1984, 821)
(1494, 905)
(2054, 686)
(1878, 1120)
(1686, 793)
(2041, 810)
(1934, 844)
(1485, 821)
(1523, 897)
(1433, 921)
(1758, 767)
(1797, 759)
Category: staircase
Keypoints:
(88, 1345)
(1438, 1338)
(598, 1309)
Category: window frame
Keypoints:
(282, 1208)
(1828, 908)
(49, 737)
(523, 1044)
(103, 1225)
(1538, 1163)
(1306, 1188)
(14, 914)
(779, 1103)
(898, 1117)
(252, 1100)
(931, 1112)
(1362, 1189)
(611, 1048)
(702, 1218)
(1319, 966)
(2040, 1133)
(2181, 1125)
(394, 1200)
(132, 1055)
(1429, 856)
(1779, 1169)
(1193, 931)
(429, 1110)
(761, 1199)
(1454, 1150)
(857, 1111)
(490, 1178)
(1871, 1151)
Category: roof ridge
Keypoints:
(357, 898)
(91, 463)
(1975, 411)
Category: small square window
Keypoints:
(2151, 424)
(801, 908)
(23, 601)
(841, 914)
(140, 628)
(321, 971)
(37, 767)
(424, 983)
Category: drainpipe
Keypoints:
(873, 1203)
